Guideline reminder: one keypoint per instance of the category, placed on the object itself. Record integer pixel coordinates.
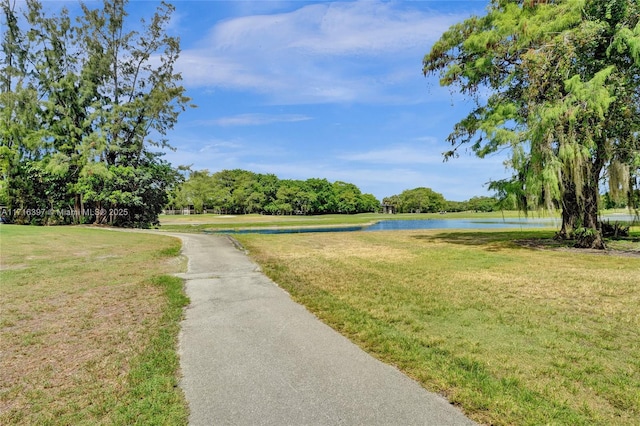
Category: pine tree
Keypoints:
(84, 107)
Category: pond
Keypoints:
(398, 225)
(401, 225)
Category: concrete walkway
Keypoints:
(252, 356)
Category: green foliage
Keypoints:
(456, 206)
(154, 397)
(483, 204)
(417, 200)
(75, 129)
(244, 192)
(562, 80)
(425, 200)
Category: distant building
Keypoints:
(388, 209)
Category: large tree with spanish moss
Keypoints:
(556, 83)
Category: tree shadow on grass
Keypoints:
(496, 240)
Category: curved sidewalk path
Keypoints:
(251, 356)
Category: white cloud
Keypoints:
(254, 119)
(395, 155)
(201, 67)
(336, 28)
(216, 154)
(367, 27)
(328, 52)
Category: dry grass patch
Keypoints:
(78, 307)
(514, 335)
(334, 247)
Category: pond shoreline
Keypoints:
(399, 225)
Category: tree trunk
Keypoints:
(100, 214)
(590, 235)
(570, 212)
(78, 208)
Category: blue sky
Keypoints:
(332, 90)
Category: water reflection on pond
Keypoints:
(398, 225)
(401, 225)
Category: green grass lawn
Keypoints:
(512, 331)
(89, 323)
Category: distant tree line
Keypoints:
(425, 200)
(243, 192)
(478, 204)
(418, 200)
